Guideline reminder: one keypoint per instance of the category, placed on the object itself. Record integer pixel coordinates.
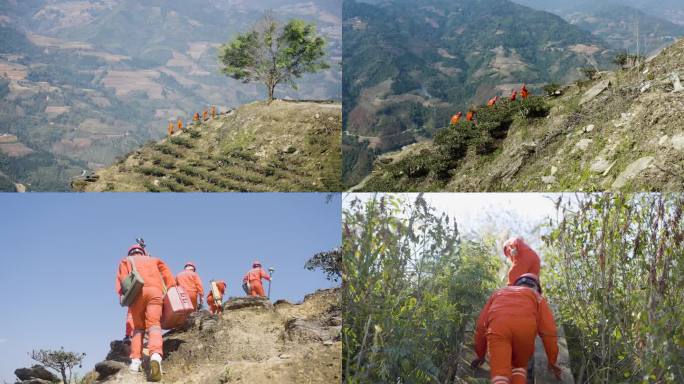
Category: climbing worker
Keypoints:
(170, 129)
(507, 326)
(180, 124)
(204, 115)
(470, 115)
(455, 118)
(191, 283)
(195, 118)
(492, 101)
(213, 111)
(215, 307)
(254, 276)
(523, 258)
(523, 92)
(514, 95)
(146, 309)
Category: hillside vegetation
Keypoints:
(620, 131)
(282, 146)
(410, 65)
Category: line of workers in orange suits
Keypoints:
(195, 118)
(470, 115)
(144, 314)
(511, 319)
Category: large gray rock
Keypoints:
(36, 372)
(310, 330)
(119, 351)
(595, 91)
(108, 368)
(247, 302)
(632, 171)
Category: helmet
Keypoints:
(190, 264)
(256, 263)
(136, 248)
(529, 279)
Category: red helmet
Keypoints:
(256, 263)
(529, 279)
(136, 247)
(190, 264)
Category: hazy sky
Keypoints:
(60, 254)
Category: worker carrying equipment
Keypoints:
(215, 296)
(508, 325)
(492, 101)
(523, 92)
(523, 258)
(146, 308)
(455, 118)
(253, 278)
(191, 283)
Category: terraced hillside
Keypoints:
(620, 131)
(284, 146)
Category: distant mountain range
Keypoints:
(410, 64)
(82, 82)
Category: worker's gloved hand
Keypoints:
(557, 371)
(476, 363)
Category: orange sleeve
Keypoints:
(169, 280)
(518, 268)
(481, 331)
(547, 331)
(265, 275)
(200, 288)
(121, 274)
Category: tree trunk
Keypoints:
(64, 377)
(271, 91)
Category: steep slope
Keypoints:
(409, 66)
(253, 341)
(80, 91)
(282, 146)
(622, 131)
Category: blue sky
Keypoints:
(60, 254)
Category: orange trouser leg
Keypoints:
(212, 307)
(146, 312)
(257, 289)
(511, 344)
(129, 323)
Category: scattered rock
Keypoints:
(289, 149)
(328, 343)
(678, 142)
(108, 368)
(548, 179)
(646, 87)
(36, 372)
(599, 165)
(554, 170)
(582, 145)
(246, 302)
(309, 330)
(676, 83)
(529, 147)
(663, 141)
(589, 128)
(285, 356)
(595, 91)
(317, 116)
(632, 171)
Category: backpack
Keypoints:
(131, 285)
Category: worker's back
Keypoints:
(514, 302)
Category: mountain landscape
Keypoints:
(253, 341)
(410, 65)
(263, 147)
(620, 131)
(82, 82)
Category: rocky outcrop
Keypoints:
(246, 302)
(37, 374)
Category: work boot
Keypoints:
(135, 365)
(155, 367)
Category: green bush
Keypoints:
(151, 171)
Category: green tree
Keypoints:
(330, 262)
(273, 54)
(60, 361)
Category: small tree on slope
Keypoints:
(61, 361)
(272, 54)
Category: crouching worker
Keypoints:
(146, 307)
(215, 304)
(507, 327)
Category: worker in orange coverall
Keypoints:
(254, 277)
(195, 117)
(213, 306)
(524, 92)
(470, 115)
(492, 101)
(456, 118)
(180, 124)
(514, 95)
(213, 111)
(170, 129)
(146, 310)
(191, 283)
(508, 325)
(204, 115)
(524, 258)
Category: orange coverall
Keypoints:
(204, 115)
(213, 112)
(455, 118)
(180, 124)
(146, 310)
(192, 284)
(213, 308)
(492, 101)
(254, 277)
(514, 94)
(470, 115)
(523, 92)
(196, 116)
(170, 128)
(525, 261)
(508, 324)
